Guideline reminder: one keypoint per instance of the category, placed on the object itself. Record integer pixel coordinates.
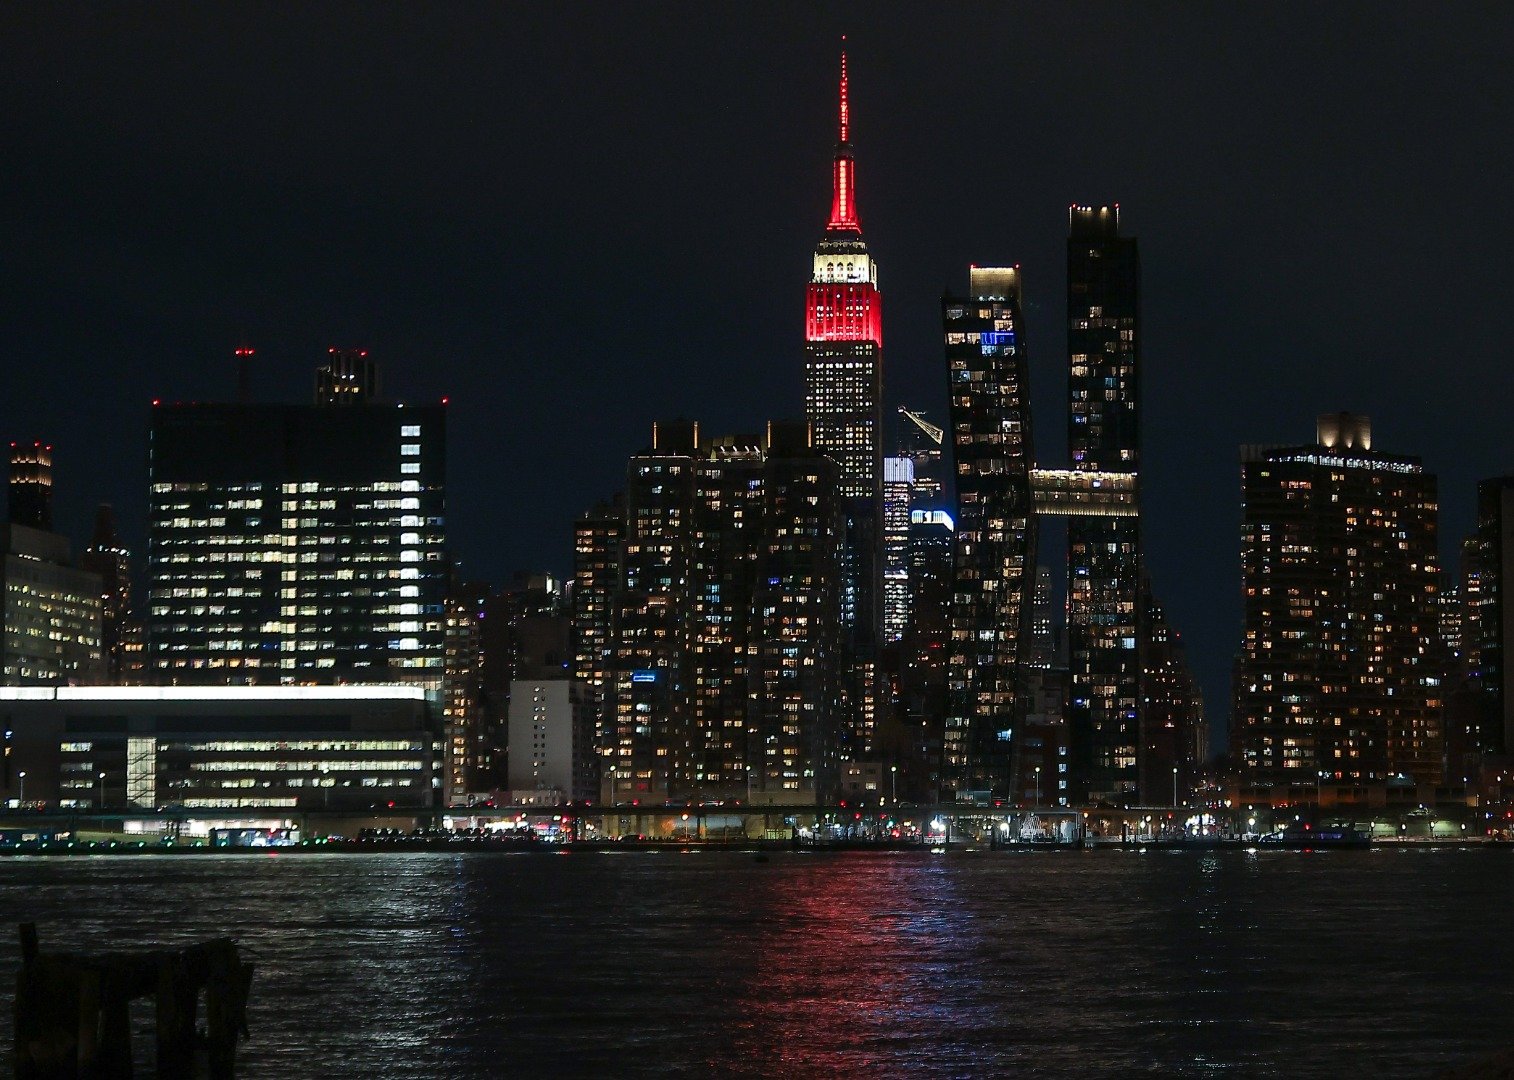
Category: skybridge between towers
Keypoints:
(1084, 493)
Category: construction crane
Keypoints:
(935, 433)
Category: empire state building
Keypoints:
(843, 392)
(843, 371)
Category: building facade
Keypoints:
(898, 501)
(1341, 574)
(597, 539)
(1104, 564)
(51, 621)
(359, 748)
(121, 633)
(995, 534)
(297, 544)
(1488, 619)
(843, 401)
(726, 652)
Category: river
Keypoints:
(1387, 963)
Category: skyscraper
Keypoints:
(463, 698)
(297, 544)
(1104, 551)
(597, 538)
(922, 674)
(1340, 570)
(995, 554)
(1174, 732)
(726, 642)
(121, 633)
(898, 498)
(50, 610)
(31, 486)
(843, 371)
(843, 394)
(1490, 625)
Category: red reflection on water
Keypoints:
(837, 970)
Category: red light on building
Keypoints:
(841, 311)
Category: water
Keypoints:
(1057, 964)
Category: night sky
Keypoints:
(574, 219)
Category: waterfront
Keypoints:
(1393, 962)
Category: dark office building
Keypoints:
(1174, 732)
(1103, 551)
(995, 534)
(297, 544)
(1489, 619)
(922, 666)
(1341, 575)
(121, 634)
(349, 377)
(31, 486)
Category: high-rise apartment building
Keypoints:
(597, 538)
(995, 535)
(464, 701)
(1341, 574)
(726, 635)
(1104, 551)
(297, 544)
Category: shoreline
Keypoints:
(761, 848)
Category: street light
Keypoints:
(1038, 786)
(1174, 787)
(893, 784)
(22, 777)
(102, 791)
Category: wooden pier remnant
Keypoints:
(73, 1019)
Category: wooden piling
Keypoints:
(72, 1011)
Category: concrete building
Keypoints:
(552, 739)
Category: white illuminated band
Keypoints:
(1330, 461)
(371, 692)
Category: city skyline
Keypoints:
(1253, 322)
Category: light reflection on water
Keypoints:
(902, 964)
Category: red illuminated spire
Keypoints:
(845, 109)
(844, 172)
